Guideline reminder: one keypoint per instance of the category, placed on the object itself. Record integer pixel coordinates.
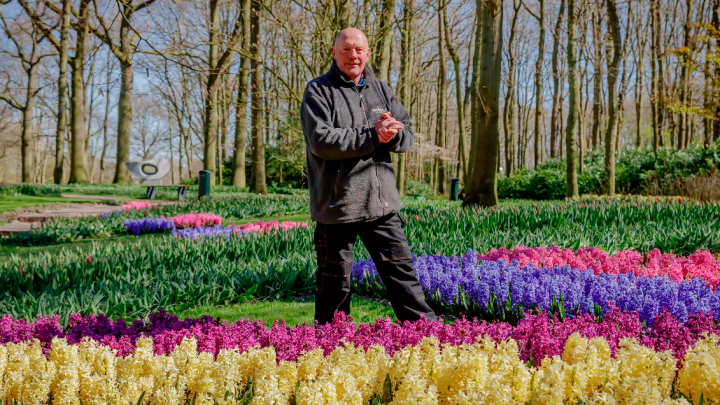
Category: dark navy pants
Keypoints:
(385, 239)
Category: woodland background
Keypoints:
(500, 91)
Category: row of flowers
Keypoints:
(162, 224)
(500, 290)
(538, 336)
(484, 371)
(195, 226)
(217, 231)
(654, 263)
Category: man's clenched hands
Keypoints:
(386, 127)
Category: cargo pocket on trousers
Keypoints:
(320, 241)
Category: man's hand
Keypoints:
(386, 127)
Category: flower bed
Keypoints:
(539, 336)
(654, 263)
(137, 205)
(498, 290)
(422, 362)
(259, 227)
(194, 220)
(149, 225)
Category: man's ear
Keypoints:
(332, 52)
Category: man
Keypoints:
(352, 121)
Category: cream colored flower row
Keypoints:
(428, 373)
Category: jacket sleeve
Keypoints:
(323, 139)
(403, 140)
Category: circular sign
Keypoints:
(149, 169)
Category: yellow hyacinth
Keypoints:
(485, 372)
(700, 373)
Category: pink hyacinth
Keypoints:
(137, 205)
(269, 226)
(193, 220)
(700, 264)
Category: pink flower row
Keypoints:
(700, 264)
(193, 220)
(137, 205)
(267, 227)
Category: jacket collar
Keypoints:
(343, 79)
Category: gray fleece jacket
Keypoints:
(350, 172)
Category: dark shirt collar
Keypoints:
(367, 75)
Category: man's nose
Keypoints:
(354, 53)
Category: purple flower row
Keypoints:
(539, 336)
(499, 289)
(149, 225)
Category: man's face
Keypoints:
(351, 53)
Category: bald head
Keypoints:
(351, 33)
(351, 53)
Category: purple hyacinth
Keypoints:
(149, 225)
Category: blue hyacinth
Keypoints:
(149, 225)
(510, 288)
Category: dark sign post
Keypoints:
(454, 184)
(204, 183)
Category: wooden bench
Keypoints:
(150, 193)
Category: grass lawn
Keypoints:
(293, 311)
(14, 202)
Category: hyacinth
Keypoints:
(268, 226)
(137, 205)
(499, 288)
(208, 232)
(193, 220)
(537, 336)
(149, 225)
(482, 371)
(700, 264)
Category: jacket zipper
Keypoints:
(367, 123)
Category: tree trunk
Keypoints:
(556, 116)
(685, 73)
(78, 165)
(597, 117)
(441, 101)
(610, 138)
(509, 110)
(125, 100)
(238, 178)
(570, 142)
(258, 146)
(482, 187)
(716, 109)
(105, 120)
(639, 79)
(211, 99)
(27, 151)
(382, 58)
(458, 94)
(62, 95)
(474, 87)
(538, 86)
(405, 89)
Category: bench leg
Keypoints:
(150, 194)
(181, 193)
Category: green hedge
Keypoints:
(637, 172)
